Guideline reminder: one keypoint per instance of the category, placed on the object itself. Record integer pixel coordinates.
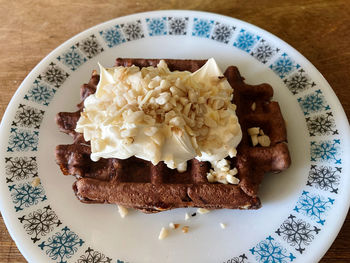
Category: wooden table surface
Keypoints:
(319, 29)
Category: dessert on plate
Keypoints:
(155, 134)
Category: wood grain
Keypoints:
(319, 29)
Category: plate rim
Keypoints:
(6, 116)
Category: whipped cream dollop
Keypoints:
(159, 115)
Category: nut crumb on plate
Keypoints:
(203, 210)
(36, 182)
(223, 226)
(123, 211)
(185, 229)
(163, 233)
(173, 226)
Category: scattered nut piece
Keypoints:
(128, 140)
(187, 216)
(203, 210)
(247, 206)
(253, 107)
(223, 226)
(222, 173)
(172, 225)
(254, 139)
(185, 229)
(163, 233)
(253, 131)
(232, 152)
(123, 211)
(231, 179)
(182, 167)
(264, 140)
(210, 177)
(36, 182)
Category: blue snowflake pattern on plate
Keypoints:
(313, 102)
(222, 32)
(270, 251)
(202, 27)
(156, 26)
(246, 40)
(40, 93)
(113, 36)
(72, 58)
(324, 177)
(284, 65)
(23, 140)
(297, 233)
(264, 51)
(325, 151)
(313, 206)
(26, 195)
(62, 245)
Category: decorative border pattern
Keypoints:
(246, 40)
(269, 250)
(157, 26)
(264, 51)
(202, 27)
(284, 65)
(295, 233)
(62, 245)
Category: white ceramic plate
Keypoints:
(303, 208)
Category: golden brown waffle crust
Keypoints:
(138, 184)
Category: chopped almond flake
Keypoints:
(185, 229)
(253, 131)
(223, 226)
(264, 140)
(203, 210)
(187, 216)
(254, 139)
(253, 106)
(123, 211)
(36, 182)
(163, 233)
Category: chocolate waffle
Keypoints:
(136, 183)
